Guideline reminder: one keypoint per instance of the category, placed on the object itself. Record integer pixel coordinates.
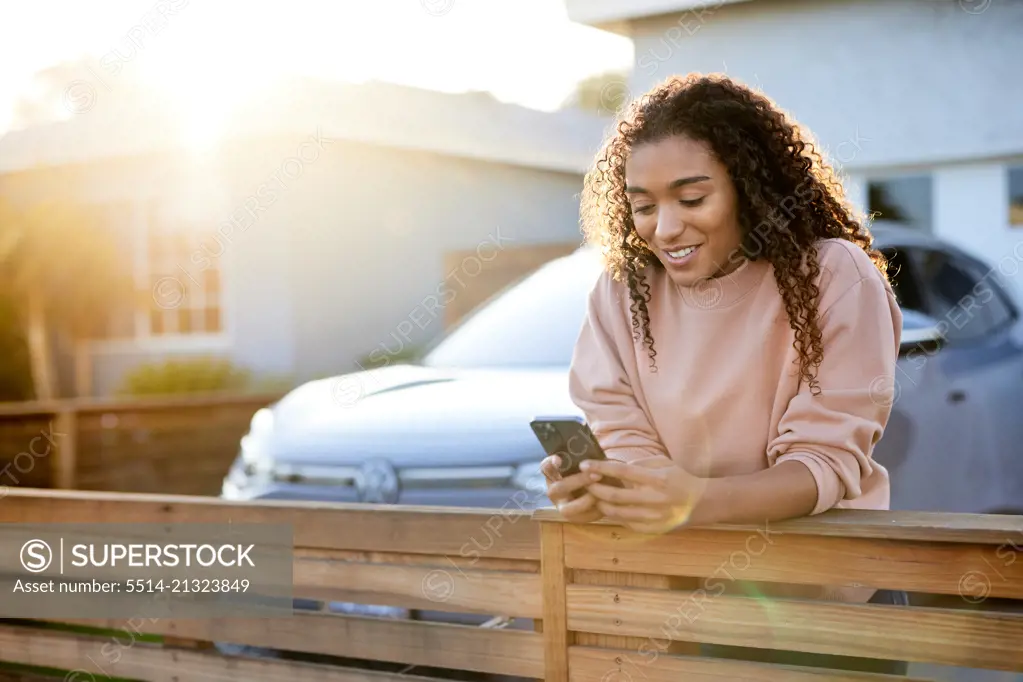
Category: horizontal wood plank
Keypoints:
(618, 579)
(439, 586)
(498, 651)
(589, 664)
(402, 559)
(87, 656)
(139, 403)
(943, 636)
(144, 428)
(467, 533)
(982, 529)
(974, 571)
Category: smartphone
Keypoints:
(571, 439)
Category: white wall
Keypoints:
(881, 82)
(369, 235)
(856, 189)
(972, 210)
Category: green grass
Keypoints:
(102, 635)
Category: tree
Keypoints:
(62, 271)
(603, 94)
(15, 371)
(68, 89)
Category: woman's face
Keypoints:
(684, 207)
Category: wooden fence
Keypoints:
(175, 445)
(599, 603)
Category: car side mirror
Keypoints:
(927, 339)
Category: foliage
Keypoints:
(67, 255)
(378, 358)
(601, 94)
(63, 272)
(75, 87)
(197, 375)
(185, 375)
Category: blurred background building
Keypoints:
(334, 220)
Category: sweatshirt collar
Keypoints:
(726, 290)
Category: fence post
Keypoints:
(555, 613)
(64, 463)
(567, 539)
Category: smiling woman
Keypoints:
(737, 348)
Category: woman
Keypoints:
(737, 360)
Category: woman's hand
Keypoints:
(561, 491)
(659, 495)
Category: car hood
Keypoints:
(418, 416)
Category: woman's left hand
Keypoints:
(659, 494)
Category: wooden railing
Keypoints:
(173, 445)
(594, 603)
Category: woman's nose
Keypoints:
(670, 227)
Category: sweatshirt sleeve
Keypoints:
(834, 433)
(599, 382)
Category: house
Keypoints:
(917, 101)
(333, 222)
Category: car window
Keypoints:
(914, 319)
(535, 323)
(962, 295)
(905, 282)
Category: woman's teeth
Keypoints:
(682, 253)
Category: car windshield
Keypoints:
(535, 323)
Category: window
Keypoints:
(905, 200)
(180, 280)
(177, 273)
(903, 276)
(1016, 195)
(962, 295)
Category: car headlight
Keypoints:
(262, 422)
(528, 477)
(255, 457)
(254, 453)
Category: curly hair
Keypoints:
(774, 166)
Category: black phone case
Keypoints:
(569, 439)
(572, 440)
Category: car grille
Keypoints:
(409, 478)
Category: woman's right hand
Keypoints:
(561, 491)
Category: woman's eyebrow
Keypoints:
(633, 189)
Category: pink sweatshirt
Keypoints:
(726, 397)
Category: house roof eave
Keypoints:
(467, 126)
